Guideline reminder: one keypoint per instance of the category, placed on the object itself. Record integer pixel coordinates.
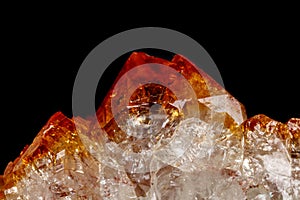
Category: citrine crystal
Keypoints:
(167, 131)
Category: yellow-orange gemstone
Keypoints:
(121, 96)
(168, 131)
(56, 162)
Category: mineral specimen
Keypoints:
(168, 131)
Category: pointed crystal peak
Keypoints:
(167, 131)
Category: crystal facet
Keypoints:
(167, 131)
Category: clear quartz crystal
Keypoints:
(156, 143)
(267, 161)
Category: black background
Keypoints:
(41, 53)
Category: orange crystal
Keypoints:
(157, 143)
(202, 84)
(56, 150)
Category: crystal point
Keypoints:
(167, 131)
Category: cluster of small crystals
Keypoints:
(160, 145)
(55, 166)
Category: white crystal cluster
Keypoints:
(211, 157)
(203, 159)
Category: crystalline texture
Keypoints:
(267, 161)
(168, 131)
(55, 166)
